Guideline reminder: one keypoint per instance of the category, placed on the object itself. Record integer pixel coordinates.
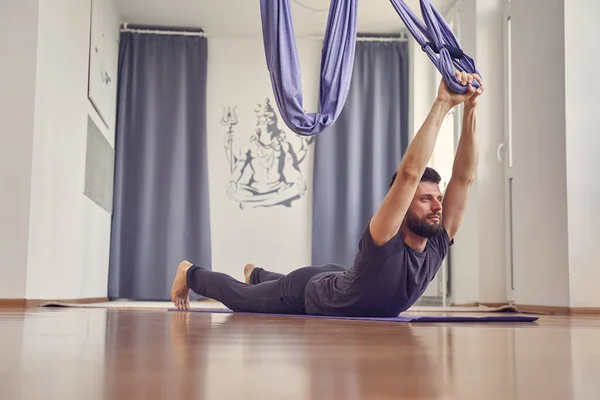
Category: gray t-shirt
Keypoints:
(383, 282)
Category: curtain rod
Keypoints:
(402, 38)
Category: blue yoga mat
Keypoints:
(400, 318)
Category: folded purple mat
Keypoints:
(400, 318)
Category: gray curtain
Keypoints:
(161, 204)
(356, 157)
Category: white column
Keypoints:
(18, 46)
(582, 118)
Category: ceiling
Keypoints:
(243, 16)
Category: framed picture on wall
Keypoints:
(103, 60)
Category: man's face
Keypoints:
(424, 216)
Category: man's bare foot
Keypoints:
(180, 293)
(248, 271)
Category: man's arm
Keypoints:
(387, 220)
(463, 169)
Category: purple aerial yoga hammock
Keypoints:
(337, 61)
(442, 48)
(337, 58)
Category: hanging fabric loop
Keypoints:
(454, 52)
(439, 43)
(337, 61)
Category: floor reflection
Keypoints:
(156, 354)
(100, 354)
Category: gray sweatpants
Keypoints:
(268, 292)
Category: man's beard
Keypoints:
(423, 228)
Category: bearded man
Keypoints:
(399, 252)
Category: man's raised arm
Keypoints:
(463, 169)
(387, 220)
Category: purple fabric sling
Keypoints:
(439, 43)
(337, 61)
(337, 57)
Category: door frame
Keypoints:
(506, 149)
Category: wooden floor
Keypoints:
(91, 354)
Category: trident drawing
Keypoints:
(229, 119)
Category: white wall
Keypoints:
(276, 238)
(490, 172)
(464, 255)
(69, 234)
(541, 272)
(17, 88)
(421, 89)
(582, 102)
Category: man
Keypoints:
(399, 253)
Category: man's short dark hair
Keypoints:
(430, 175)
